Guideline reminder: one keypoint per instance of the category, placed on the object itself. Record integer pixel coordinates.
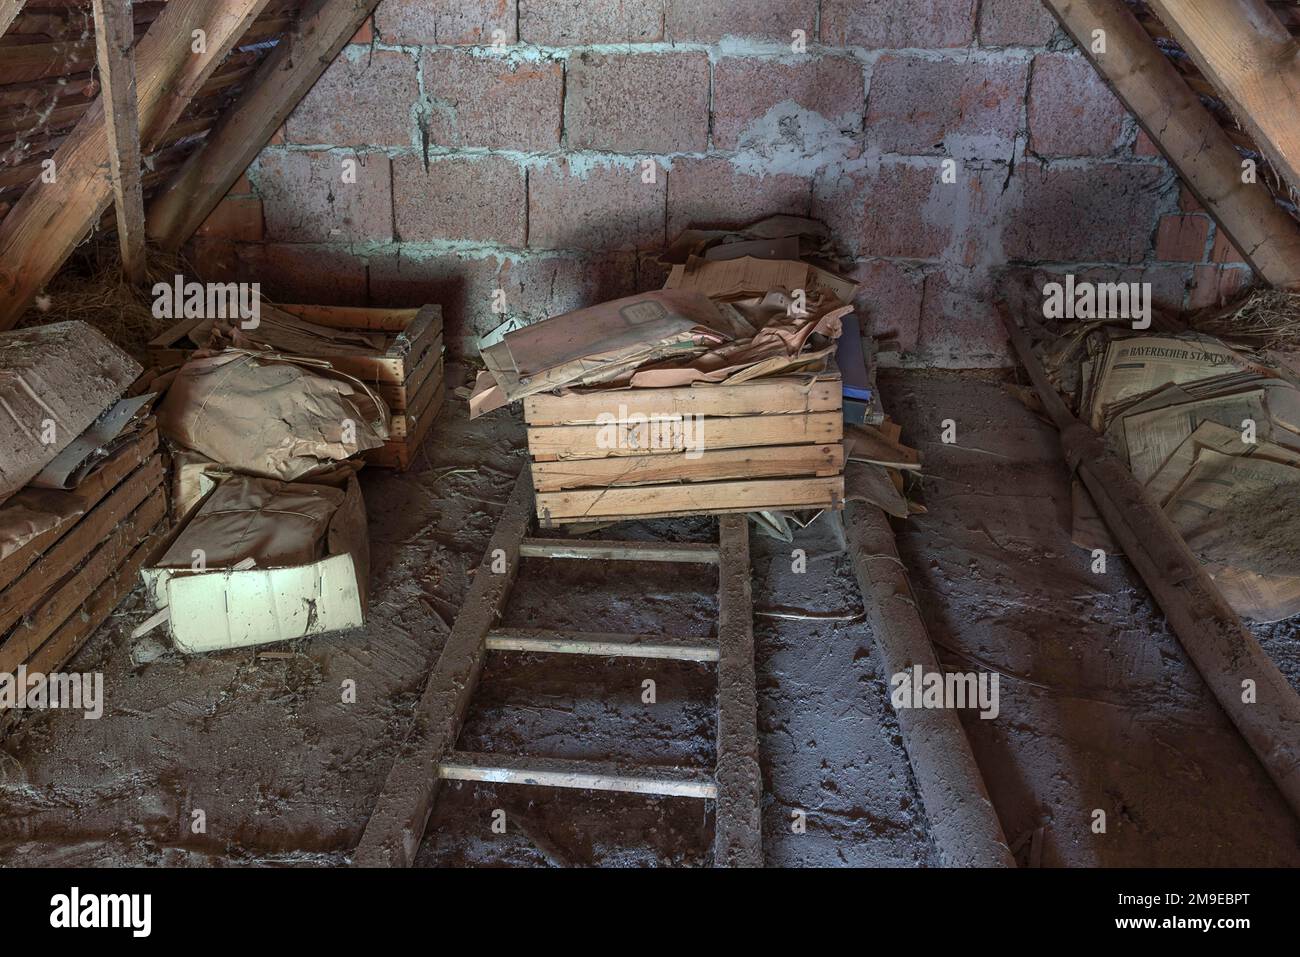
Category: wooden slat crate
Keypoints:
(644, 453)
(407, 375)
(57, 588)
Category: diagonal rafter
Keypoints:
(173, 60)
(280, 83)
(1190, 138)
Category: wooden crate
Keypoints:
(57, 588)
(407, 374)
(634, 453)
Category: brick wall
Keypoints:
(506, 147)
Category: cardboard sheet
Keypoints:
(55, 380)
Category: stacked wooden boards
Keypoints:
(407, 373)
(762, 445)
(59, 586)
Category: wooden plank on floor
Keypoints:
(114, 37)
(392, 836)
(720, 432)
(603, 644)
(787, 395)
(738, 825)
(702, 552)
(587, 775)
(1174, 117)
(767, 461)
(1247, 54)
(690, 498)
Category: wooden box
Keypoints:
(767, 444)
(57, 588)
(407, 374)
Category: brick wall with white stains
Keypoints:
(500, 147)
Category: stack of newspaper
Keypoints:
(1215, 438)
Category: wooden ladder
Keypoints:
(428, 756)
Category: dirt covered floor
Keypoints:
(1099, 706)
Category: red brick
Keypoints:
(463, 285)
(538, 287)
(277, 138)
(569, 22)
(214, 260)
(969, 109)
(1182, 239)
(415, 22)
(365, 33)
(898, 24)
(325, 275)
(1215, 286)
(889, 302)
(1144, 145)
(242, 186)
(306, 201)
(895, 210)
(643, 102)
(706, 22)
(364, 98)
(237, 218)
(599, 207)
(1096, 214)
(1071, 111)
(486, 101)
(475, 198)
(745, 89)
(713, 192)
(1006, 23)
(1224, 251)
(1187, 202)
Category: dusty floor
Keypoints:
(1100, 708)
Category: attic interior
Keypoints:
(746, 433)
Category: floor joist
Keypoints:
(620, 551)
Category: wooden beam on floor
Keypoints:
(963, 822)
(9, 10)
(1252, 61)
(585, 775)
(393, 834)
(280, 83)
(603, 644)
(1192, 140)
(1223, 650)
(114, 37)
(685, 552)
(173, 60)
(738, 824)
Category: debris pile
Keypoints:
(82, 492)
(718, 393)
(1213, 433)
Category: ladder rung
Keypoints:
(588, 775)
(703, 553)
(671, 647)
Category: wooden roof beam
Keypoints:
(9, 10)
(288, 72)
(173, 60)
(1190, 138)
(114, 37)
(1254, 63)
